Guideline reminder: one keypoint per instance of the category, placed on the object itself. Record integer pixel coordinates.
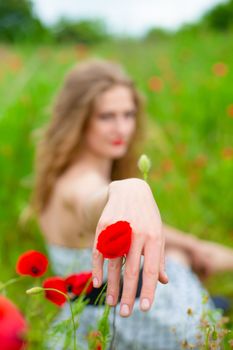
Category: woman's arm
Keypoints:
(206, 257)
(130, 200)
(177, 239)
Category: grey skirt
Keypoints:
(164, 327)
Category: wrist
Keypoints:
(190, 243)
(133, 183)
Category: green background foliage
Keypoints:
(186, 78)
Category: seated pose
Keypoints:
(87, 179)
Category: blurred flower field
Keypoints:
(188, 85)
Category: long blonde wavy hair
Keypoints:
(72, 108)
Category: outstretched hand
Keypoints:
(132, 200)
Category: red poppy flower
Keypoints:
(220, 69)
(115, 240)
(94, 340)
(155, 84)
(77, 282)
(32, 263)
(13, 327)
(230, 110)
(56, 283)
(167, 165)
(227, 153)
(200, 161)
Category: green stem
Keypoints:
(100, 294)
(114, 329)
(71, 311)
(145, 176)
(86, 287)
(72, 316)
(207, 339)
(12, 281)
(114, 311)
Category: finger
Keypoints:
(97, 268)
(206, 270)
(203, 274)
(163, 278)
(114, 275)
(131, 275)
(97, 260)
(150, 272)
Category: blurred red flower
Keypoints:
(94, 340)
(115, 240)
(167, 165)
(200, 161)
(230, 110)
(82, 50)
(13, 326)
(32, 263)
(227, 153)
(56, 283)
(155, 84)
(220, 69)
(194, 179)
(15, 63)
(77, 282)
(156, 175)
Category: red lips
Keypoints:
(118, 142)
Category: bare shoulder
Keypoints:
(79, 197)
(74, 188)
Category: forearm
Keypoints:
(178, 239)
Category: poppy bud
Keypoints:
(144, 165)
(34, 290)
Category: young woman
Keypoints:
(86, 180)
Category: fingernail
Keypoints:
(145, 304)
(109, 300)
(95, 282)
(124, 310)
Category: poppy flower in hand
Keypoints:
(32, 263)
(114, 241)
(12, 326)
(55, 283)
(77, 282)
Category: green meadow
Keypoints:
(187, 83)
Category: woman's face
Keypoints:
(112, 125)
